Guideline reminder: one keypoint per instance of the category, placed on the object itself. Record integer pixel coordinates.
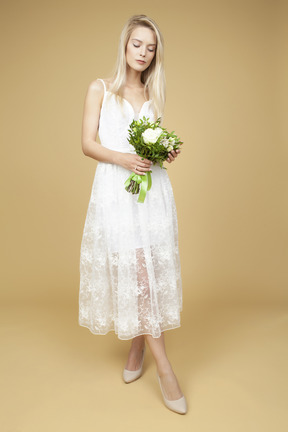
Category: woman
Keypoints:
(130, 278)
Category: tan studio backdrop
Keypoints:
(226, 70)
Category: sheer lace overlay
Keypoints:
(130, 277)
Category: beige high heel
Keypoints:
(129, 376)
(178, 405)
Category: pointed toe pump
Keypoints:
(178, 405)
(129, 376)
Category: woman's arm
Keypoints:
(90, 125)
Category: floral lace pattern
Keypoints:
(130, 276)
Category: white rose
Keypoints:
(150, 136)
(159, 130)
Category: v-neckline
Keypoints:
(135, 112)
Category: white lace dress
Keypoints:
(130, 279)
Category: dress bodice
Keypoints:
(115, 119)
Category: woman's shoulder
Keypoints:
(97, 88)
(98, 83)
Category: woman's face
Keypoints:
(141, 46)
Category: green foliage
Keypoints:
(156, 152)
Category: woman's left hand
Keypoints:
(172, 155)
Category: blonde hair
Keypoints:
(153, 77)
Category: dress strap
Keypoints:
(103, 84)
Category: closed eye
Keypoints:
(137, 46)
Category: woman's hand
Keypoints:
(135, 163)
(172, 155)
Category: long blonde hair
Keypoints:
(153, 77)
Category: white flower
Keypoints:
(170, 148)
(165, 142)
(159, 130)
(150, 136)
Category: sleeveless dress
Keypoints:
(130, 276)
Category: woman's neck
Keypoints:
(133, 79)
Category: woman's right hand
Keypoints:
(135, 163)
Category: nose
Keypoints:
(142, 51)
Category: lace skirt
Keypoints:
(130, 277)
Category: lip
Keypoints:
(141, 61)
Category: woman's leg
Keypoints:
(169, 381)
(135, 353)
(157, 345)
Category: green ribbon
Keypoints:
(145, 182)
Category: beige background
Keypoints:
(226, 69)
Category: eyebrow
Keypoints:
(139, 40)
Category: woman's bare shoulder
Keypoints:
(96, 86)
(95, 93)
(96, 90)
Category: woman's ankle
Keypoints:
(164, 368)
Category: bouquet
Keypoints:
(151, 142)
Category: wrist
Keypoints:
(117, 158)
